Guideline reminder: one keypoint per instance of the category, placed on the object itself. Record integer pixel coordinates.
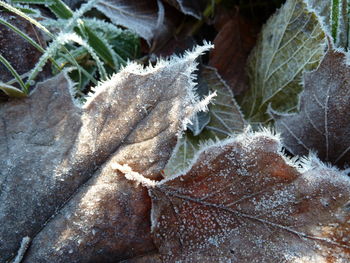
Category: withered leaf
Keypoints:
(242, 201)
(322, 125)
(146, 18)
(57, 186)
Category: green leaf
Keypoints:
(12, 91)
(225, 120)
(291, 42)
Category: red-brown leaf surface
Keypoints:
(243, 202)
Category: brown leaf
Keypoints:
(57, 184)
(242, 201)
(322, 125)
(233, 44)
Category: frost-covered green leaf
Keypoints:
(291, 41)
(225, 120)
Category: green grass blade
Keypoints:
(8, 65)
(335, 19)
(23, 15)
(60, 9)
(35, 2)
(12, 91)
(80, 68)
(101, 47)
(22, 34)
(28, 10)
(27, 38)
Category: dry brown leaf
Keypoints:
(57, 184)
(242, 201)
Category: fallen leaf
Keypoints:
(243, 201)
(291, 42)
(57, 184)
(322, 124)
(226, 120)
(233, 43)
(145, 18)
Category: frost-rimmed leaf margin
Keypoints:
(301, 163)
(192, 98)
(187, 210)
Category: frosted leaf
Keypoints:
(291, 41)
(58, 185)
(242, 201)
(322, 125)
(225, 120)
(146, 18)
